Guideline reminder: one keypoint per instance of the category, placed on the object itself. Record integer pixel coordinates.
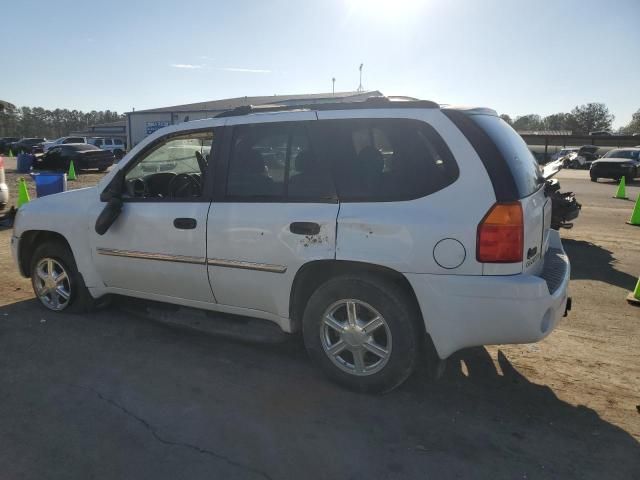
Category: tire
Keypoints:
(594, 179)
(400, 333)
(118, 154)
(79, 299)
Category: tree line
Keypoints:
(582, 120)
(40, 122)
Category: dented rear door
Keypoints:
(276, 212)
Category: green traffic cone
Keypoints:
(621, 193)
(634, 297)
(635, 215)
(23, 193)
(11, 153)
(72, 172)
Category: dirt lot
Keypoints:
(112, 395)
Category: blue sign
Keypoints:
(153, 126)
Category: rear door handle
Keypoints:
(304, 228)
(185, 223)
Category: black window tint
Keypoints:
(526, 172)
(308, 179)
(277, 162)
(386, 159)
(258, 162)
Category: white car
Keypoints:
(62, 141)
(373, 227)
(564, 152)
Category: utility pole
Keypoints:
(333, 88)
(360, 89)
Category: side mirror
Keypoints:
(115, 187)
(108, 215)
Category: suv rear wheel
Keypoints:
(363, 332)
(56, 280)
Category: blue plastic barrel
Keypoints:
(24, 162)
(49, 183)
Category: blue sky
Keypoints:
(516, 56)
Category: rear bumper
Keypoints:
(465, 311)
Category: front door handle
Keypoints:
(185, 223)
(304, 228)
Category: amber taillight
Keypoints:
(501, 234)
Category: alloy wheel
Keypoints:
(51, 284)
(356, 337)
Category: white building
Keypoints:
(141, 123)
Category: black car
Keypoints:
(27, 145)
(84, 157)
(5, 143)
(617, 163)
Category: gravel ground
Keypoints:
(112, 395)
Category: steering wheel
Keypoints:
(202, 162)
(184, 185)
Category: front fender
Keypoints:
(69, 214)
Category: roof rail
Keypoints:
(371, 102)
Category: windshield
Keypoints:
(630, 154)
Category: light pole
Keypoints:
(333, 87)
(360, 89)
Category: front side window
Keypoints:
(276, 162)
(173, 168)
(386, 159)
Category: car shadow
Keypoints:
(113, 392)
(593, 262)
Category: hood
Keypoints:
(615, 160)
(53, 211)
(551, 168)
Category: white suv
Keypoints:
(374, 228)
(115, 145)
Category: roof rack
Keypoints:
(371, 102)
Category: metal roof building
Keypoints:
(141, 123)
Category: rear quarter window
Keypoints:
(383, 160)
(526, 171)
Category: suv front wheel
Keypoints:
(56, 280)
(363, 331)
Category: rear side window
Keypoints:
(377, 160)
(525, 170)
(276, 162)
